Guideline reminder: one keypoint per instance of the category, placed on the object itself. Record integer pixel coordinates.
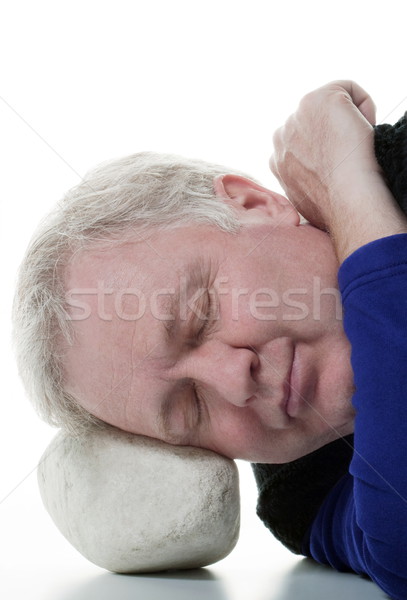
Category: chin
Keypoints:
(330, 436)
(300, 449)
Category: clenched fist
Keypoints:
(324, 159)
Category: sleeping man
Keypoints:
(185, 302)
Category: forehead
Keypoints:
(160, 252)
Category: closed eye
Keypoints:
(198, 402)
(207, 327)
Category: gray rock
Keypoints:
(134, 504)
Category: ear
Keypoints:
(247, 195)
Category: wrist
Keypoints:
(363, 214)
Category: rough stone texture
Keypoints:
(133, 504)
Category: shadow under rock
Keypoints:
(199, 584)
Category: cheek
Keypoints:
(336, 388)
(237, 433)
(334, 355)
(246, 439)
(306, 307)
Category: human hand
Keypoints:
(324, 159)
(325, 145)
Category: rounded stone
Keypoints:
(133, 504)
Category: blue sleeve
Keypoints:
(362, 524)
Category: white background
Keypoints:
(84, 81)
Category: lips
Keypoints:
(282, 354)
(295, 397)
(287, 384)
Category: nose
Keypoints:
(224, 371)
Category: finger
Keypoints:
(368, 110)
(360, 98)
(273, 166)
(273, 158)
(277, 136)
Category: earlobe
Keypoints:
(247, 195)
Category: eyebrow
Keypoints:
(172, 310)
(172, 306)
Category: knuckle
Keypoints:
(277, 135)
(308, 99)
(343, 83)
(311, 100)
(273, 164)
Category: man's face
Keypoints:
(266, 377)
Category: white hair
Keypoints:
(134, 193)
